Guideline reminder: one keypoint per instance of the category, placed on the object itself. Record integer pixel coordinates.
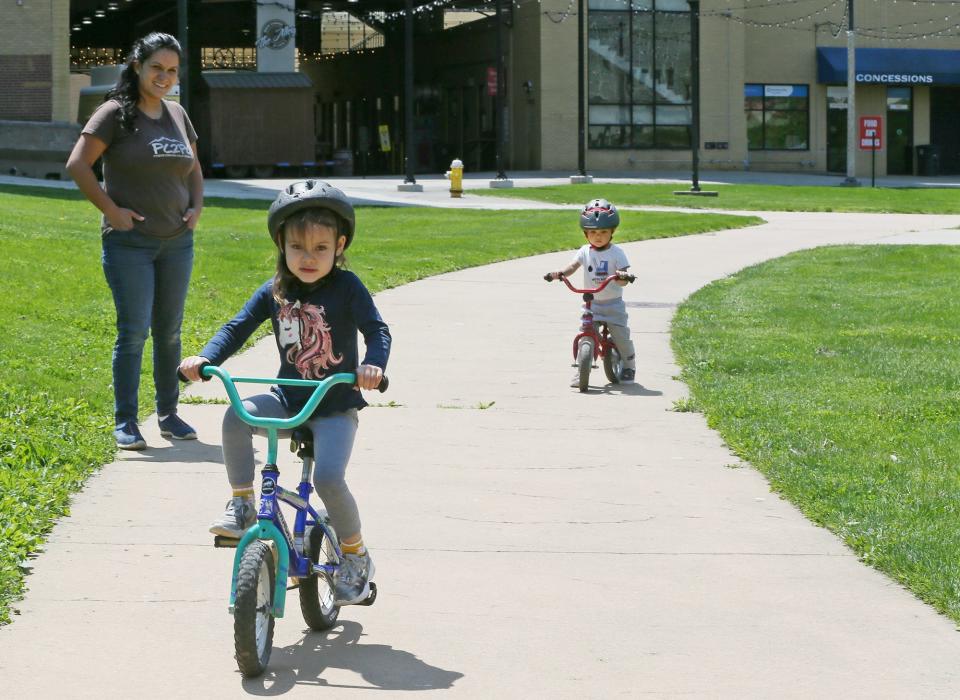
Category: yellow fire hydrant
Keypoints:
(456, 178)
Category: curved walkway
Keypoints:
(549, 545)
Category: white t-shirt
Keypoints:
(598, 265)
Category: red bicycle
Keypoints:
(589, 344)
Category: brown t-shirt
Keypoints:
(146, 171)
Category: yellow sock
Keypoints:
(353, 548)
(243, 491)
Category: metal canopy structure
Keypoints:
(117, 23)
(223, 34)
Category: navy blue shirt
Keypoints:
(316, 334)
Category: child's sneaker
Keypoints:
(628, 375)
(173, 427)
(353, 578)
(128, 436)
(240, 514)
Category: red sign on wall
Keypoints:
(871, 133)
(492, 81)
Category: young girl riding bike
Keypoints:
(316, 308)
(599, 258)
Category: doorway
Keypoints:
(944, 108)
(836, 129)
(899, 131)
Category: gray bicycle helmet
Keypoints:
(599, 213)
(310, 194)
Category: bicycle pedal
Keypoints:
(222, 542)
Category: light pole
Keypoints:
(183, 30)
(695, 102)
(409, 182)
(498, 99)
(851, 179)
(695, 89)
(500, 113)
(581, 117)
(581, 178)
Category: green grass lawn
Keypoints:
(55, 395)
(750, 197)
(836, 373)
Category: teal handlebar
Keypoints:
(320, 390)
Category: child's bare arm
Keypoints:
(565, 272)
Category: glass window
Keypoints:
(899, 99)
(609, 58)
(673, 56)
(674, 6)
(778, 117)
(836, 97)
(614, 114)
(639, 74)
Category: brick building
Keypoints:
(772, 77)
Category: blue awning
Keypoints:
(890, 66)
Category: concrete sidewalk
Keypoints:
(550, 545)
(382, 190)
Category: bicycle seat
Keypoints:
(301, 442)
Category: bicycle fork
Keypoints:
(272, 526)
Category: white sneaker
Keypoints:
(352, 581)
(240, 514)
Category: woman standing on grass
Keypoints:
(151, 201)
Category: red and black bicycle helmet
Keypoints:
(311, 194)
(599, 213)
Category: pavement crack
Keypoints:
(551, 522)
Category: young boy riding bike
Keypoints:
(600, 258)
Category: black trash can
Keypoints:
(928, 160)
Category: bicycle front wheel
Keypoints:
(584, 363)
(316, 591)
(253, 610)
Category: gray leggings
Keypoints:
(333, 442)
(614, 313)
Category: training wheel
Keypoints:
(373, 595)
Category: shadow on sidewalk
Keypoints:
(636, 389)
(380, 665)
(185, 451)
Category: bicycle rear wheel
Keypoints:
(613, 364)
(584, 363)
(316, 592)
(253, 610)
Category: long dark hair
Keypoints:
(127, 89)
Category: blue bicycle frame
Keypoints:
(270, 525)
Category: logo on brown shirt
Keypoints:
(165, 147)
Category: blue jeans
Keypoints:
(149, 278)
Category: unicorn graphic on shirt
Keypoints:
(304, 332)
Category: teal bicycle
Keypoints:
(269, 554)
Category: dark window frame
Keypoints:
(764, 110)
(633, 129)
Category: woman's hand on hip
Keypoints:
(191, 216)
(121, 219)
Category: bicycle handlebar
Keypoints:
(321, 386)
(603, 285)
